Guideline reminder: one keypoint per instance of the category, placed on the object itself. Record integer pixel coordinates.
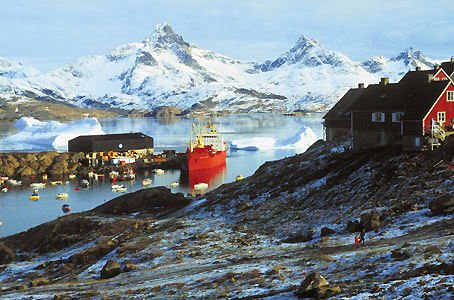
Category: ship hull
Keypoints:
(204, 159)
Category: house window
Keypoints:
(450, 96)
(441, 117)
(397, 116)
(378, 117)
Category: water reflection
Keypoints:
(212, 176)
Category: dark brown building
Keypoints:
(121, 142)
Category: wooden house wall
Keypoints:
(337, 128)
(367, 134)
(441, 105)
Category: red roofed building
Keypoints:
(414, 113)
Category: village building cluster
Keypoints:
(416, 113)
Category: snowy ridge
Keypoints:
(165, 70)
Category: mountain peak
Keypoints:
(414, 58)
(306, 43)
(163, 37)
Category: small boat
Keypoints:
(117, 186)
(120, 190)
(66, 208)
(1, 223)
(130, 176)
(174, 184)
(34, 196)
(101, 175)
(37, 184)
(14, 182)
(72, 176)
(239, 177)
(159, 171)
(58, 182)
(5, 189)
(84, 183)
(62, 196)
(147, 182)
(113, 174)
(3, 178)
(201, 186)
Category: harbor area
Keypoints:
(34, 166)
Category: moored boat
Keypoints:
(14, 182)
(239, 177)
(174, 184)
(201, 186)
(37, 184)
(159, 171)
(120, 190)
(84, 183)
(147, 182)
(207, 149)
(117, 186)
(62, 196)
(58, 182)
(34, 196)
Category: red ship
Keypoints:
(207, 151)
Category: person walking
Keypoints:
(362, 236)
(356, 241)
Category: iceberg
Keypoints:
(52, 134)
(302, 139)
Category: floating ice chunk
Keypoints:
(52, 134)
(303, 138)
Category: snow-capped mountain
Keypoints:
(165, 70)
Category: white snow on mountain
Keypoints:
(165, 70)
(44, 134)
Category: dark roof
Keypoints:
(414, 94)
(448, 67)
(115, 136)
(342, 108)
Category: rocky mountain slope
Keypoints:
(257, 238)
(165, 70)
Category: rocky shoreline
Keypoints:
(26, 166)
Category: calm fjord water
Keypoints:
(277, 136)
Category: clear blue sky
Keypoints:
(49, 33)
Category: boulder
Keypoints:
(443, 204)
(401, 254)
(315, 286)
(243, 206)
(299, 237)
(111, 269)
(354, 226)
(370, 220)
(39, 282)
(327, 292)
(326, 231)
(6, 254)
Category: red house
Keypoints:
(414, 113)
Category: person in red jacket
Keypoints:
(356, 241)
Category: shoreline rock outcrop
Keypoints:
(20, 165)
